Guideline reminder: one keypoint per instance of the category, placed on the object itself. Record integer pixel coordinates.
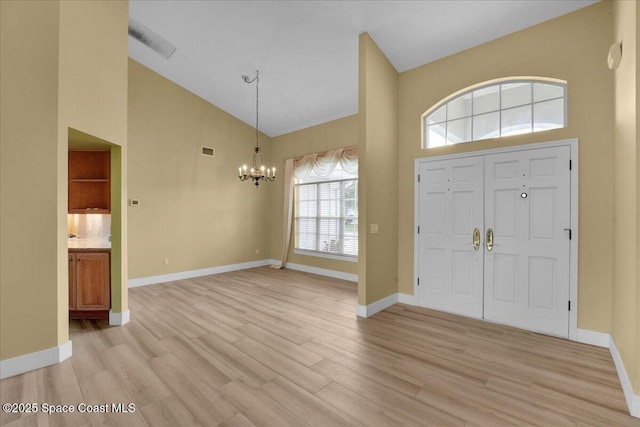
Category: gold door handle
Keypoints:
(476, 239)
(489, 239)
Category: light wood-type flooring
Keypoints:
(284, 348)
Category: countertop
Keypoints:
(88, 244)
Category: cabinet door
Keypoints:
(93, 281)
(73, 296)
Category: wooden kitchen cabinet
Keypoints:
(89, 284)
(89, 181)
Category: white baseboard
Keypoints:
(406, 299)
(373, 308)
(163, 278)
(633, 400)
(599, 339)
(39, 359)
(320, 271)
(119, 319)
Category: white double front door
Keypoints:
(494, 237)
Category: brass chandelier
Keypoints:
(258, 171)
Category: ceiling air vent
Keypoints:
(151, 39)
(208, 151)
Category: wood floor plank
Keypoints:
(260, 409)
(197, 359)
(18, 389)
(168, 412)
(383, 396)
(284, 366)
(357, 406)
(237, 420)
(234, 363)
(135, 376)
(201, 399)
(58, 385)
(103, 389)
(288, 349)
(266, 347)
(305, 405)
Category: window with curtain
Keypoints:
(325, 193)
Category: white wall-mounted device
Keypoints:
(615, 55)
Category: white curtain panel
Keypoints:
(322, 164)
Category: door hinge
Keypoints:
(569, 305)
(569, 230)
(570, 165)
(418, 281)
(418, 178)
(418, 229)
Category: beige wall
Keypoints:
(378, 173)
(193, 209)
(93, 100)
(573, 48)
(637, 354)
(29, 181)
(625, 284)
(316, 139)
(46, 87)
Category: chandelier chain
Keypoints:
(258, 172)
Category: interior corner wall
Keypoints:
(625, 312)
(378, 169)
(572, 47)
(93, 99)
(327, 136)
(194, 212)
(636, 385)
(29, 157)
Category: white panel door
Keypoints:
(527, 205)
(451, 207)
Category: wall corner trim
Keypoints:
(119, 319)
(406, 299)
(386, 302)
(39, 359)
(373, 308)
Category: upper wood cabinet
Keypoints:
(89, 181)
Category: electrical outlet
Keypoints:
(166, 261)
(257, 251)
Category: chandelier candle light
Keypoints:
(258, 172)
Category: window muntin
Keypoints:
(500, 109)
(326, 214)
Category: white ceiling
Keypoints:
(307, 51)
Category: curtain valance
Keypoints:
(322, 164)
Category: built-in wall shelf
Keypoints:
(89, 181)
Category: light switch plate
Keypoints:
(374, 228)
(134, 202)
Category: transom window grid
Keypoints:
(496, 110)
(326, 215)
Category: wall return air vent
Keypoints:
(208, 151)
(151, 39)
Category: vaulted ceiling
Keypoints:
(307, 51)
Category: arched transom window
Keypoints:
(496, 109)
